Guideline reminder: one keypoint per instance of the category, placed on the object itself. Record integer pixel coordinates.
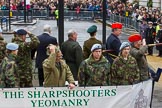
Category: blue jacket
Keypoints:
(113, 43)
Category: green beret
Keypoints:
(92, 29)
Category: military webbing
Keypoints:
(112, 55)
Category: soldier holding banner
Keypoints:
(124, 70)
(95, 70)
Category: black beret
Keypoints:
(21, 32)
(92, 29)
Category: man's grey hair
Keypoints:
(71, 32)
(47, 28)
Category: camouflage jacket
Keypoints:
(124, 72)
(2, 48)
(139, 55)
(9, 72)
(94, 73)
(24, 55)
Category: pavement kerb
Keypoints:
(100, 21)
(20, 23)
(23, 23)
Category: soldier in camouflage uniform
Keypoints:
(138, 51)
(24, 56)
(95, 70)
(2, 46)
(124, 70)
(8, 68)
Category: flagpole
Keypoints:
(153, 84)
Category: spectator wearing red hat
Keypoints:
(113, 43)
(138, 52)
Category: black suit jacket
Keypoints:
(45, 39)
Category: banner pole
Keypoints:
(153, 83)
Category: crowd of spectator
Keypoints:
(116, 7)
(134, 11)
(53, 4)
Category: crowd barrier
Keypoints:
(44, 13)
(128, 22)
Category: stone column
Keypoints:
(143, 3)
(156, 3)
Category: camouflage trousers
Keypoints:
(25, 83)
(26, 79)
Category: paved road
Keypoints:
(156, 62)
(81, 27)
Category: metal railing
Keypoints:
(45, 13)
(128, 22)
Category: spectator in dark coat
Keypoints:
(45, 39)
(159, 40)
(72, 53)
(150, 37)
